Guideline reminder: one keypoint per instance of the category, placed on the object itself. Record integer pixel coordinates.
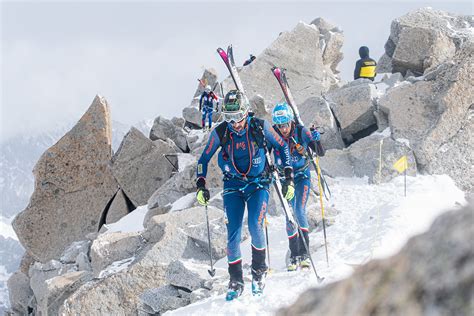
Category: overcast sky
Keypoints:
(145, 57)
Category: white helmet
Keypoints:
(207, 89)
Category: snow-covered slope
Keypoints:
(374, 222)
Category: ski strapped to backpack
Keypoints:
(280, 75)
(260, 137)
(281, 78)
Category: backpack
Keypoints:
(255, 129)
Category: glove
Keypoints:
(203, 194)
(315, 134)
(288, 188)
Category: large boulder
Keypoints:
(432, 275)
(164, 129)
(139, 166)
(73, 184)
(115, 246)
(316, 112)
(353, 107)
(300, 53)
(180, 276)
(374, 156)
(159, 300)
(424, 39)
(434, 113)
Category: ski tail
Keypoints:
(228, 59)
(280, 75)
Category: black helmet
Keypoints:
(235, 106)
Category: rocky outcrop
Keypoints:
(316, 112)
(164, 129)
(433, 274)
(424, 39)
(139, 166)
(434, 112)
(353, 107)
(300, 53)
(330, 42)
(73, 184)
(111, 247)
(169, 237)
(159, 300)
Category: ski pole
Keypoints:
(268, 243)
(322, 211)
(212, 272)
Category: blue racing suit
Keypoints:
(206, 105)
(302, 179)
(246, 182)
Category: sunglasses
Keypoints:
(284, 125)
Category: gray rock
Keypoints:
(83, 262)
(170, 237)
(353, 106)
(336, 163)
(384, 65)
(11, 253)
(73, 184)
(316, 111)
(41, 273)
(139, 166)
(257, 104)
(164, 129)
(115, 246)
(71, 252)
(179, 276)
(392, 79)
(299, 52)
(424, 39)
(118, 209)
(193, 116)
(176, 187)
(431, 113)
(19, 292)
(438, 263)
(59, 288)
(365, 157)
(178, 122)
(330, 43)
(209, 77)
(162, 299)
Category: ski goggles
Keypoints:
(234, 117)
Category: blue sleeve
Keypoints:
(306, 136)
(200, 101)
(274, 140)
(212, 145)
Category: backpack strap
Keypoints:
(256, 130)
(222, 133)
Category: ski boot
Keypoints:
(293, 264)
(258, 281)
(305, 262)
(234, 290)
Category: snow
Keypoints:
(403, 141)
(185, 160)
(115, 267)
(375, 221)
(6, 229)
(132, 222)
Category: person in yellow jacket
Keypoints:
(365, 66)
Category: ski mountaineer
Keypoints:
(206, 105)
(365, 66)
(246, 183)
(298, 139)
